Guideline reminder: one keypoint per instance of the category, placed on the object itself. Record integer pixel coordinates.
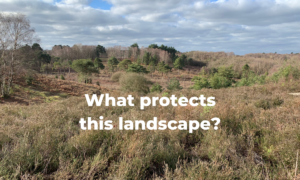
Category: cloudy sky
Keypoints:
(239, 26)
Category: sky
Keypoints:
(239, 26)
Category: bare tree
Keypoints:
(15, 32)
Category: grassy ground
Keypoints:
(258, 137)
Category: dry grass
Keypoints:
(251, 143)
(258, 137)
(261, 63)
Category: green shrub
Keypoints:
(56, 76)
(116, 76)
(246, 67)
(124, 64)
(132, 82)
(250, 78)
(295, 73)
(212, 71)
(200, 82)
(286, 72)
(156, 88)
(136, 68)
(112, 63)
(174, 84)
(98, 63)
(226, 72)
(62, 77)
(84, 66)
(217, 81)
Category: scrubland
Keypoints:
(258, 137)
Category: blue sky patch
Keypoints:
(100, 4)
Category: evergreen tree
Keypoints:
(98, 63)
(112, 63)
(146, 58)
(84, 67)
(136, 68)
(100, 50)
(163, 68)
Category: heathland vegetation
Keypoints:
(42, 102)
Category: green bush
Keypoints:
(250, 78)
(112, 63)
(156, 88)
(116, 76)
(136, 68)
(285, 73)
(62, 77)
(217, 81)
(224, 77)
(226, 72)
(124, 64)
(132, 82)
(174, 84)
(85, 67)
(98, 63)
(56, 76)
(200, 82)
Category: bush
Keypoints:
(265, 104)
(112, 63)
(156, 88)
(98, 63)
(226, 72)
(286, 72)
(200, 82)
(268, 103)
(62, 77)
(217, 82)
(174, 84)
(84, 67)
(56, 76)
(124, 64)
(132, 82)
(251, 78)
(137, 68)
(116, 76)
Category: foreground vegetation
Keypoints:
(252, 142)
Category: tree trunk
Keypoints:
(3, 80)
(11, 74)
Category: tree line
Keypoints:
(20, 50)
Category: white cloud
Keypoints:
(77, 2)
(241, 26)
(48, 1)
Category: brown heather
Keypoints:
(44, 141)
(258, 137)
